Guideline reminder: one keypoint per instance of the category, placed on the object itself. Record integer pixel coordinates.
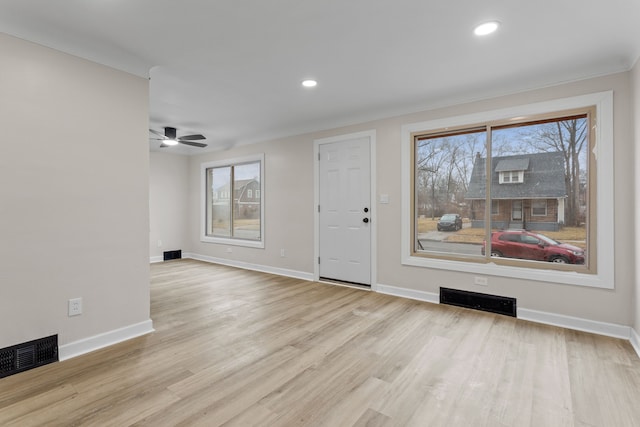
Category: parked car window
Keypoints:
(529, 240)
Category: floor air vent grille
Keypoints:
(169, 255)
(477, 301)
(28, 355)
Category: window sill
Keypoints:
(233, 242)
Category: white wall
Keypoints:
(290, 210)
(74, 200)
(168, 203)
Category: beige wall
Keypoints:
(74, 195)
(168, 203)
(290, 211)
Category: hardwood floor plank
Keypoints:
(241, 348)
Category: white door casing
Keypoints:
(345, 220)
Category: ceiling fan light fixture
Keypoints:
(170, 142)
(309, 83)
(486, 28)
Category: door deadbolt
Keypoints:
(366, 210)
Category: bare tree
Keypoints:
(443, 169)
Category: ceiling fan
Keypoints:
(169, 138)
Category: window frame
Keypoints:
(204, 213)
(601, 272)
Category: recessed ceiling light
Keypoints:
(486, 28)
(309, 83)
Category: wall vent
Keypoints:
(491, 303)
(28, 355)
(169, 255)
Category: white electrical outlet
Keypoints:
(282, 254)
(159, 243)
(481, 281)
(75, 307)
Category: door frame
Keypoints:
(371, 134)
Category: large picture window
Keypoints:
(538, 168)
(528, 187)
(233, 202)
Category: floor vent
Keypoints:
(169, 255)
(477, 301)
(28, 355)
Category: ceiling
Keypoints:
(231, 69)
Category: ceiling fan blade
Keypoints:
(163, 145)
(158, 133)
(193, 144)
(192, 137)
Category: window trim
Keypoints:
(260, 244)
(603, 150)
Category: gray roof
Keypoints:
(543, 177)
(512, 165)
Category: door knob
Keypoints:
(365, 220)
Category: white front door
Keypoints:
(345, 210)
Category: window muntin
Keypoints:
(549, 153)
(233, 210)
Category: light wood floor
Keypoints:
(240, 348)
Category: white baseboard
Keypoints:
(635, 341)
(106, 339)
(576, 323)
(408, 293)
(248, 266)
(155, 259)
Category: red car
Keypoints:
(527, 245)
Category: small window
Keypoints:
(512, 177)
(495, 207)
(539, 208)
(231, 214)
